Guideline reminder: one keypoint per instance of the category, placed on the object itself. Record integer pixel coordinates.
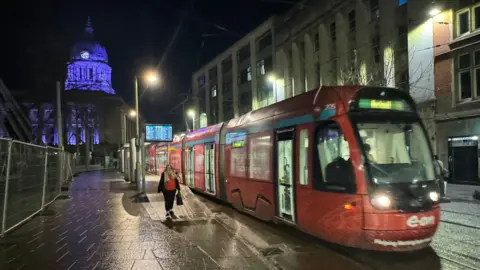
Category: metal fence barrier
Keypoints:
(31, 177)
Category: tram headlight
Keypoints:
(381, 201)
(433, 195)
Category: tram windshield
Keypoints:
(396, 152)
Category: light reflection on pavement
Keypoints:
(103, 226)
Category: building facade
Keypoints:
(457, 84)
(335, 42)
(95, 120)
(88, 67)
(235, 82)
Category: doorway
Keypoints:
(463, 159)
(284, 176)
(190, 168)
(210, 168)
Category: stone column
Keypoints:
(220, 91)
(236, 111)
(253, 66)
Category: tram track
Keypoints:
(460, 213)
(460, 224)
(465, 266)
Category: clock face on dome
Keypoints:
(84, 55)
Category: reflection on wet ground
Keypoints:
(103, 226)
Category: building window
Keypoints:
(317, 42)
(227, 65)
(317, 72)
(214, 91)
(351, 21)
(353, 60)
(464, 76)
(212, 74)
(333, 32)
(402, 37)
(265, 41)
(303, 157)
(375, 9)
(90, 73)
(463, 22)
(333, 71)
(261, 68)
(476, 14)
(201, 81)
(376, 49)
(243, 54)
(245, 75)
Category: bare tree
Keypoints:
(400, 71)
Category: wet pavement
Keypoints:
(102, 225)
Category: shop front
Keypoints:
(458, 149)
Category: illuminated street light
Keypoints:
(272, 79)
(150, 78)
(133, 113)
(434, 12)
(191, 113)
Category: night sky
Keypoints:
(37, 38)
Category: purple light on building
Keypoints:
(88, 68)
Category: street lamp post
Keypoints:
(151, 78)
(137, 138)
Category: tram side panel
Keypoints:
(259, 187)
(248, 174)
(333, 209)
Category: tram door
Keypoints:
(210, 168)
(190, 167)
(285, 193)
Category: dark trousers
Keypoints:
(169, 196)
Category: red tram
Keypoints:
(350, 165)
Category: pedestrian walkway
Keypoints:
(462, 193)
(102, 226)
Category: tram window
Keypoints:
(396, 152)
(333, 170)
(303, 157)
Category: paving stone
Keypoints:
(101, 226)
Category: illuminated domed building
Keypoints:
(88, 67)
(94, 117)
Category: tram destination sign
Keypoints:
(158, 133)
(396, 105)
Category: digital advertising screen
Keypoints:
(158, 133)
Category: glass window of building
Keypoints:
(464, 76)
(317, 42)
(352, 25)
(333, 32)
(463, 22)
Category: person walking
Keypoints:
(169, 185)
(442, 173)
